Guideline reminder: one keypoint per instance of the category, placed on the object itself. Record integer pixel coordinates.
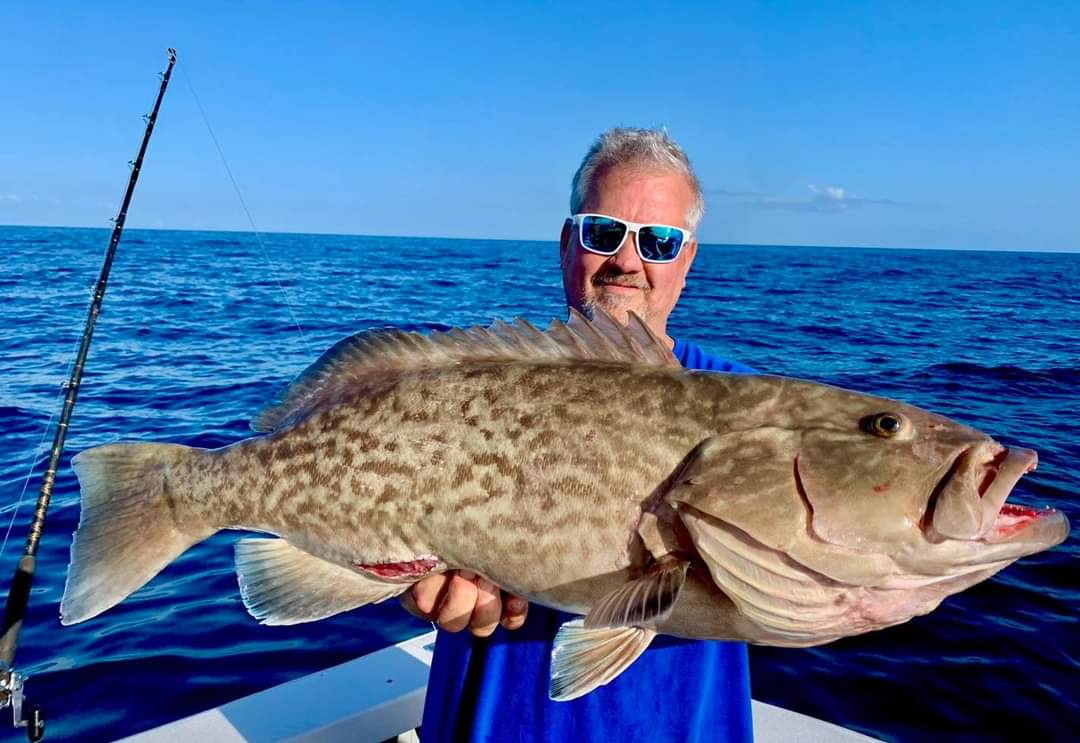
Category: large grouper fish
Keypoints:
(580, 467)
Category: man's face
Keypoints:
(622, 282)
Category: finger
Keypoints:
(428, 593)
(488, 609)
(408, 603)
(515, 609)
(457, 605)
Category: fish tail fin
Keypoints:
(129, 528)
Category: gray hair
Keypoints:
(650, 148)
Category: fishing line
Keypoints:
(33, 459)
(18, 599)
(274, 271)
(56, 406)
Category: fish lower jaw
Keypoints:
(1006, 522)
(1042, 527)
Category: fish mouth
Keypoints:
(1000, 476)
(994, 472)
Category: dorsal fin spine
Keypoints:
(368, 359)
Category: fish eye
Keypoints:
(885, 425)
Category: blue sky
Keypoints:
(908, 124)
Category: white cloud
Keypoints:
(829, 193)
(822, 199)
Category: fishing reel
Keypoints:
(11, 693)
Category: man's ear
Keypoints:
(691, 253)
(564, 239)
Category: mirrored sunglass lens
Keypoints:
(660, 243)
(602, 234)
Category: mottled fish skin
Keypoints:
(534, 475)
(581, 468)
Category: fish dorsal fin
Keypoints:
(360, 361)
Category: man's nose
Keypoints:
(627, 259)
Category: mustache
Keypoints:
(619, 278)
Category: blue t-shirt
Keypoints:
(693, 357)
(496, 688)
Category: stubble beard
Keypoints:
(618, 305)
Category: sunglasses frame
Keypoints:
(578, 220)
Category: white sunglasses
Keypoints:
(604, 235)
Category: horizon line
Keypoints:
(513, 239)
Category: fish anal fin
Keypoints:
(282, 584)
(583, 659)
(644, 600)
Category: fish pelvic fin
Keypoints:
(362, 362)
(129, 525)
(583, 659)
(282, 584)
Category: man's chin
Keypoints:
(618, 306)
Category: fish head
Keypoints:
(884, 477)
(829, 513)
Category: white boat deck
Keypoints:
(378, 696)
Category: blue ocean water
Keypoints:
(199, 329)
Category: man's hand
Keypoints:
(460, 598)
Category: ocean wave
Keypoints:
(895, 273)
(215, 242)
(823, 331)
(16, 422)
(1067, 375)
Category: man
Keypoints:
(627, 247)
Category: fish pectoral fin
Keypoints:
(283, 584)
(591, 652)
(583, 659)
(644, 600)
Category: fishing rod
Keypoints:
(11, 681)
